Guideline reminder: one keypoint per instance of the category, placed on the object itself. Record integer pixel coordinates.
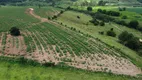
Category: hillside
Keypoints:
(70, 40)
(44, 41)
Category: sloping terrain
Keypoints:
(17, 71)
(47, 41)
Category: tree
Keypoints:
(89, 8)
(102, 23)
(133, 43)
(124, 17)
(129, 40)
(134, 24)
(14, 31)
(125, 36)
(102, 3)
(111, 33)
(100, 10)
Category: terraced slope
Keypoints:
(47, 41)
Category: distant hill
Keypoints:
(54, 2)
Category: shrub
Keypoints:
(102, 17)
(140, 28)
(54, 17)
(78, 17)
(134, 24)
(111, 33)
(68, 8)
(89, 8)
(102, 23)
(104, 11)
(133, 43)
(102, 33)
(122, 9)
(61, 12)
(49, 18)
(125, 36)
(95, 22)
(129, 40)
(124, 17)
(100, 10)
(49, 64)
(14, 31)
(102, 3)
(121, 22)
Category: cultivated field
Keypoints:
(44, 41)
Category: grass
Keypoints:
(135, 9)
(65, 40)
(15, 16)
(16, 71)
(47, 12)
(69, 18)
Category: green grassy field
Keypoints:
(16, 71)
(135, 9)
(50, 11)
(69, 18)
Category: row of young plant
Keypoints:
(70, 41)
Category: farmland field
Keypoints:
(135, 9)
(67, 40)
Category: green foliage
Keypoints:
(14, 31)
(125, 36)
(134, 24)
(102, 23)
(124, 17)
(133, 43)
(111, 33)
(102, 3)
(89, 8)
(129, 40)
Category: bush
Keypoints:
(95, 22)
(111, 33)
(140, 28)
(133, 43)
(121, 22)
(102, 17)
(124, 17)
(122, 9)
(54, 17)
(89, 8)
(125, 36)
(129, 40)
(61, 12)
(102, 33)
(14, 31)
(102, 23)
(49, 64)
(78, 17)
(134, 24)
(100, 10)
